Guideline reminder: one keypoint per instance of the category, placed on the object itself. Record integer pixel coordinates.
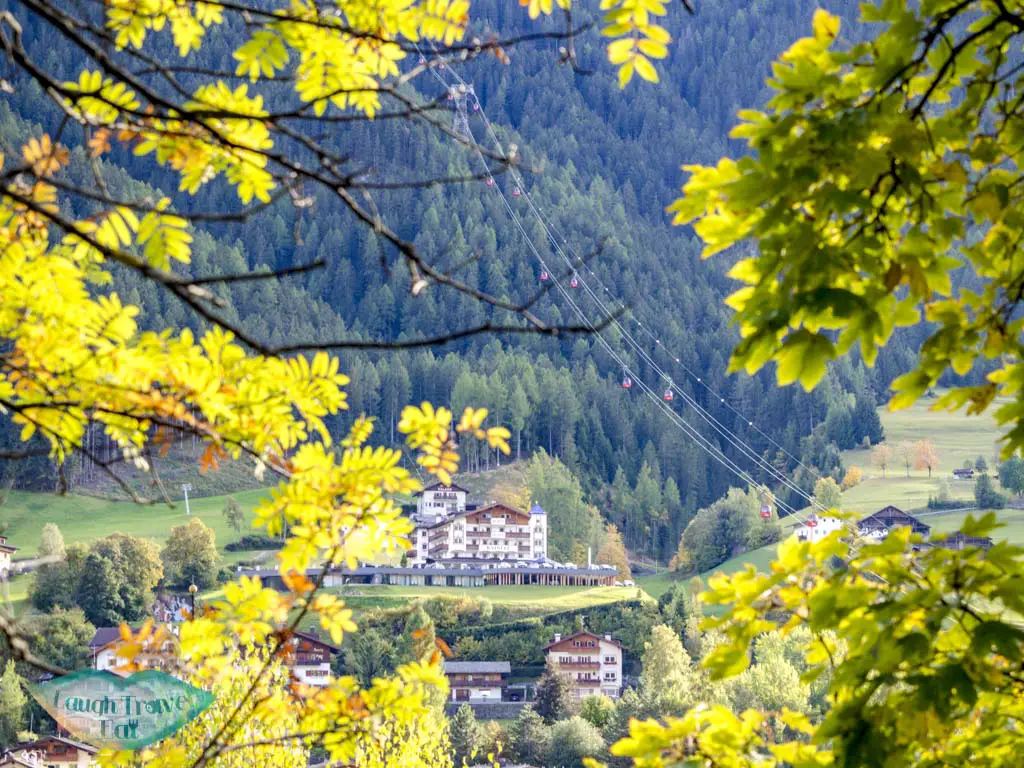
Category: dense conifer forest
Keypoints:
(602, 164)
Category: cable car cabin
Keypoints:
(543, 277)
(476, 107)
(627, 383)
(515, 192)
(766, 511)
(668, 395)
(574, 283)
(490, 182)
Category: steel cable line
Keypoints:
(729, 435)
(703, 442)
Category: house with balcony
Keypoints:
(54, 752)
(878, 525)
(591, 662)
(106, 645)
(309, 658)
(6, 553)
(477, 681)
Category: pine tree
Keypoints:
(554, 696)
(12, 706)
(529, 737)
(464, 736)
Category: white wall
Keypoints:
(611, 650)
(313, 674)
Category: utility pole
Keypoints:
(186, 488)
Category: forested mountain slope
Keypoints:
(602, 164)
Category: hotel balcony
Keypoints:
(582, 683)
(584, 665)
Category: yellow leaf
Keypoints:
(645, 69)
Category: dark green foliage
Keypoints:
(368, 655)
(463, 736)
(985, 494)
(599, 181)
(572, 740)
(12, 706)
(529, 737)
(98, 593)
(554, 697)
(61, 638)
(1011, 475)
(253, 541)
(52, 587)
(727, 528)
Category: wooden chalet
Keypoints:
(55, 752)
(884, 520)
(477, 681)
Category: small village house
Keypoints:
(593, 663)
(54, 752)
(105, 651)
(878, 525)
(477, 681)
(6, 552)
(309, 658)
(817, 527)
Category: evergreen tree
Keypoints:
(985, 494)
(463, 737)
(368, 656)
(12, 706)
(529, 737)
(554, 696)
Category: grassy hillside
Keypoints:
(957, 438)
(84, 518)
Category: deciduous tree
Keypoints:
(906, 452)
(190, 555)
(852, 477)
(881, 457)
(572, 741)
(613, 552)
(669, 681)
(925, 456)
(234, 515)
(1011, 475)
(827, 493)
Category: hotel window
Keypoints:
(609, 659)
